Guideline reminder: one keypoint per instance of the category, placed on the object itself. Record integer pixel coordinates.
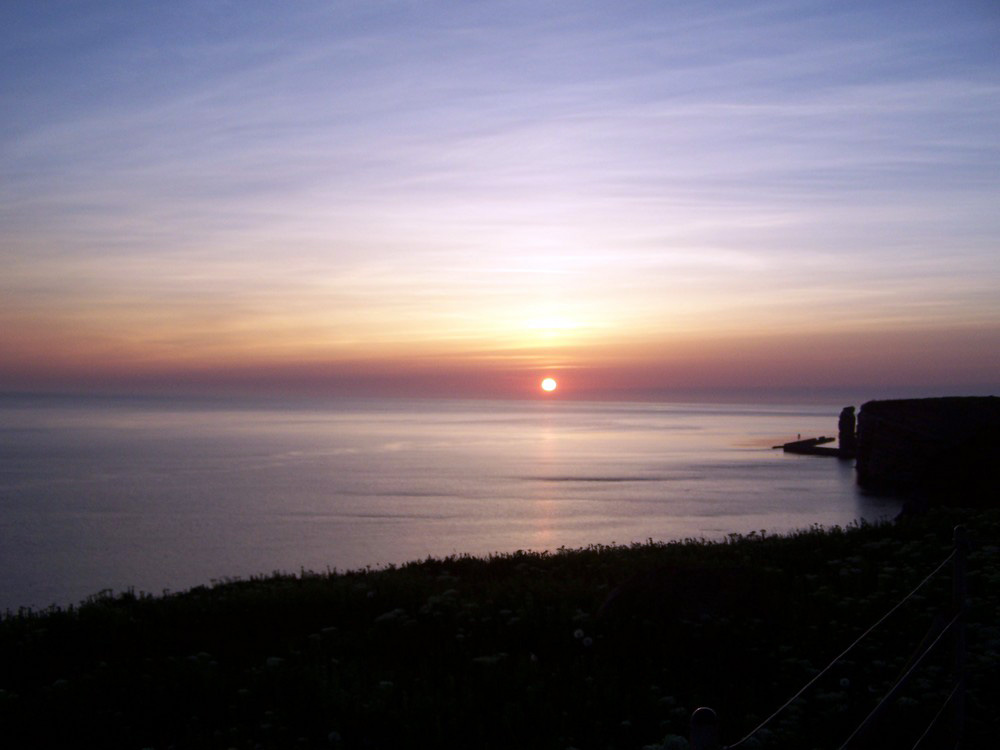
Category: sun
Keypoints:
(549, 384)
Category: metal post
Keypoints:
(705, 729)
(959, 594)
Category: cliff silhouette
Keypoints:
(934, 450)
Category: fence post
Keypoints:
(959, 594)
(705, 729)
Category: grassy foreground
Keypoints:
(603, 647)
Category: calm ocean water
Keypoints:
(116, 493)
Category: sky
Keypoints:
(640, 199)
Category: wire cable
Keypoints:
(937, 715)
(843, 653)
(899, 683)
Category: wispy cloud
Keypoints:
(442, 175)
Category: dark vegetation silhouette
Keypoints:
(603, 647)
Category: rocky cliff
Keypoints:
(937, 449)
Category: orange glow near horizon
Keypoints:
(949, 358)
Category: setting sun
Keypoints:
(549, 384)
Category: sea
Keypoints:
(102, 494)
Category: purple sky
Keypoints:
(436, 198)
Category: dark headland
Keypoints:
(940, 450)
(927, 450)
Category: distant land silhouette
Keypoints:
(934, 450)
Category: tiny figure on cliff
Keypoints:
(848, 436)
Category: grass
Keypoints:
(602, 647)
